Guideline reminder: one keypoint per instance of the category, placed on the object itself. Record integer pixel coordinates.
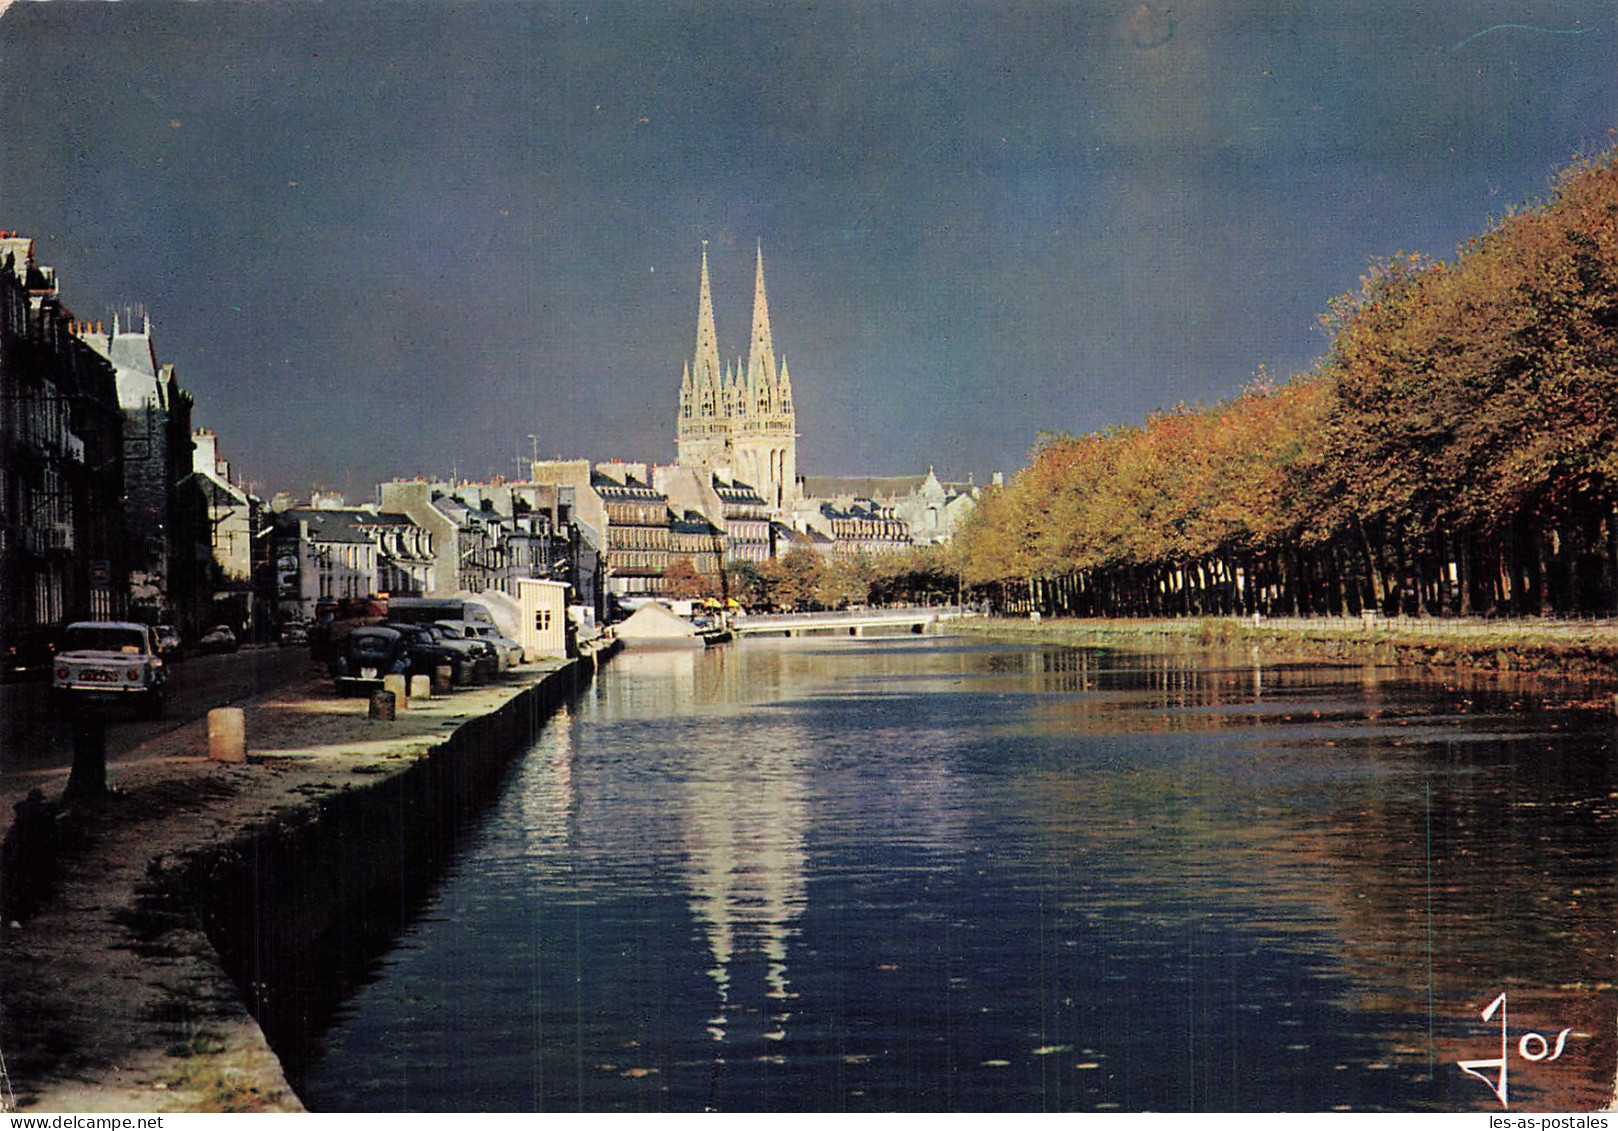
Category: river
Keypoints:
(937, 874)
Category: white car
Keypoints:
(110, 662)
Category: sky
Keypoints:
(430, 238)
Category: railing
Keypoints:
(847, 618)
(1571, 628)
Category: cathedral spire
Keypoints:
(706, 362)
(761, 358)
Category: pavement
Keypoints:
(111, 1002)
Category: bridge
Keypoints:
(847, 622)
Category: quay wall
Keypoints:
(1583, 652)
(299, 907)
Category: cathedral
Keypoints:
(737, 421)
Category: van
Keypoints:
(426, 610)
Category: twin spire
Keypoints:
(739, 421)
(705, 371)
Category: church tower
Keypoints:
(704, 432)
(739, 422)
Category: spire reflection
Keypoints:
(744, 819)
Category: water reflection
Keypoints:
(546, 797)
(932, 875)
(743, 819)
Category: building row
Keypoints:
(102, 511)
(113, 505)
(610, 530)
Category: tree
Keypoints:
(1456, 446)
(745, 584)
(793, 580)
(682, 582)
(845, 582)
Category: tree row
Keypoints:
(1452, 452)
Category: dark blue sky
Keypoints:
(399, 238)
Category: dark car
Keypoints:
(480, 661)
(29, 653)
(367, 655)
(427, 651)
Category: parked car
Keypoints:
(219, 638)
(294, 632)
(428, 652)
(507, 651)
(478, 656)
(109, 662)
(169, 644)
(368, 654)
(29, 653)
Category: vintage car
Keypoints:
(428, 652)
(294, 632)
(368, 654)
(219, 638)
(508, 651)
(477, 660)
(109, 662)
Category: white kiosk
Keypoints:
(544, 618)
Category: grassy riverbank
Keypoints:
(1584, 650)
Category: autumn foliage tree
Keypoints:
(1455, 450)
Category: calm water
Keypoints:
(871, 875)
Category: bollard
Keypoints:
(396, 684)
(443, 679)
(227, 735)
(88, 778)
(421, 687)
(463, 672)
(382, 706)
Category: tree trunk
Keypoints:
(1541, 574)
(1373, 567)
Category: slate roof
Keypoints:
(737, 493)
(332, 525)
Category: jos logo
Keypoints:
(1531, 1047)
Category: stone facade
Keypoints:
(746, 521)
(575, 550)
(237, 528)
(639, 537)
(324, 555)
(165, 508)
(863, 527)
(490, 536)
(930, 509)
(738, 421)
(62, 535)
(695, 539)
